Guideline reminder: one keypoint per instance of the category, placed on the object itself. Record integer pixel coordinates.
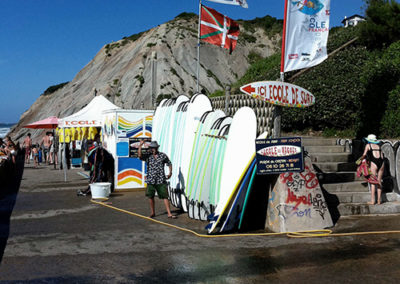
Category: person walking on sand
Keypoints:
(35, 153)
(46, 143)
(27, 145)
(374, 156)
(156, 179)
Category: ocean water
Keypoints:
(4, 130)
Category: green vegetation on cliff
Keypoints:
(54, 88)
(357, 89)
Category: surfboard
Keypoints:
(198, 105)
(179, 124)
(261, 136)
(199, 165)
(217, 165)
(156, 120)
(239, 153)
(164, 136)
(203, 197)
(232, 219)
(171, 142)
(194, 156)
(172, 125)
(205, 119)
(162, 122)
(247, 197)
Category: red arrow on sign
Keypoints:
(248, 89)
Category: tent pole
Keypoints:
(64, 158)
(54, 149)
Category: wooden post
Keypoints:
(227, 98)
(277, 121)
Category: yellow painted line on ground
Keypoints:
(300, 234)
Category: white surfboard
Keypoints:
(172, 126)
(208, 172)
(239, 153)
(197, 167)
(217, 165)
(157, 119)
(197, 107)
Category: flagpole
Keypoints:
(283, 43)
(278, 109)
(198, 49)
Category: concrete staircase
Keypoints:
(342, 188)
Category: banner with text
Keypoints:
(306, 33)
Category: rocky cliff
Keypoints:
(121, 71)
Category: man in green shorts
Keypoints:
(156, 179)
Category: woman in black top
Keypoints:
(374, 156)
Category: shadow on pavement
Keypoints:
(10, 180)
(333, 202)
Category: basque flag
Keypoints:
(218, 29)
(242, 3)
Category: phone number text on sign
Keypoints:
(275, 156)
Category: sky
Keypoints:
(47, 42)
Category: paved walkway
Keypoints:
(55, 236)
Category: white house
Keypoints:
(352, 21)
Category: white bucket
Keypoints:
(100, 189)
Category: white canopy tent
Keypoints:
(89, 116)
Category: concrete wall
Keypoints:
(296, 203)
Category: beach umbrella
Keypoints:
(50, 122)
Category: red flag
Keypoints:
(218, 29)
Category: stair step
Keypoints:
(325, 149)
(365, 209)
(334, 167)
(339, 177)
(363, 197)
(312, 141)
(331, 157)
(355, 186)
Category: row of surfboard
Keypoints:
(213, 158)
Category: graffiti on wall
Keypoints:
(303, 199)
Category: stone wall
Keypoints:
(263, 110)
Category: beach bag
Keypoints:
(40, 156)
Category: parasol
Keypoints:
(50, 122)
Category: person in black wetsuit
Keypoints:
(374, 156)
